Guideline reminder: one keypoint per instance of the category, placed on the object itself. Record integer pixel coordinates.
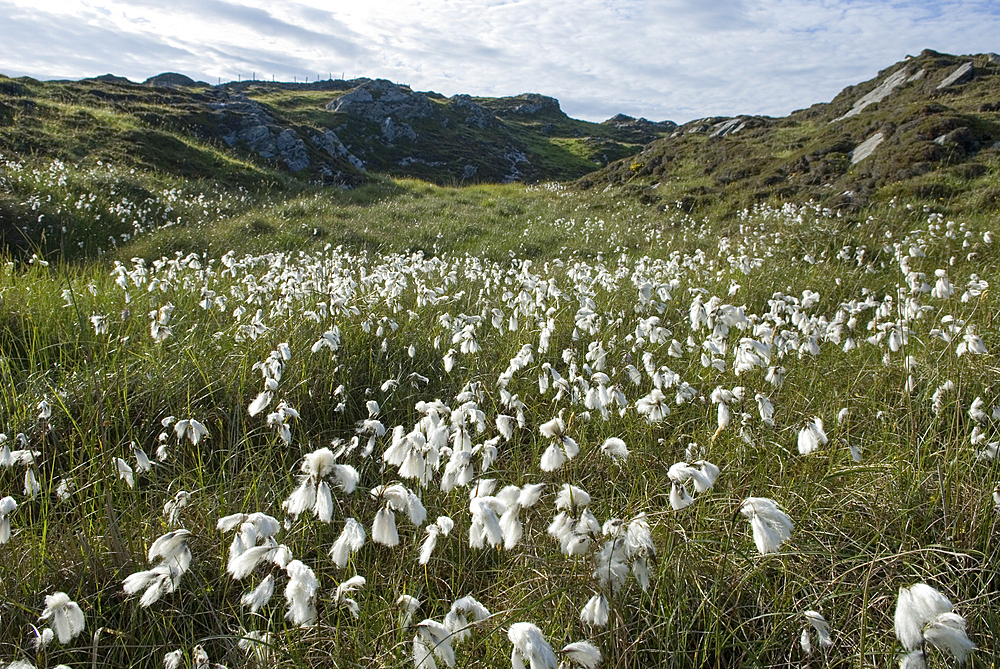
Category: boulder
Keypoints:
(730, 127)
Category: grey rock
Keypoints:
(958, 77)
(330, 143)
(293, 150)
(961, 138)
(471, 170)
(882, 91)
(730, 127)
(513, 158)
(392, 131)
(865, 148)
(993, 58)
(410, 160)
(377, 100)
(478, 115)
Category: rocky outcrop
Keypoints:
(730, 127)
(640, 130)
(380, 99)
(331, 144)
(881, 92)
(475, 114)
(244, 121)
(961, 75)
(866, 148)
(171, 80)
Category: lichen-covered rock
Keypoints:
(393, 131)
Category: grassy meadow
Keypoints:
(434, 389)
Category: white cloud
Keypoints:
(676, 59)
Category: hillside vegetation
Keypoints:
(932, 124)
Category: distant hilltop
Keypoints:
(339, 131)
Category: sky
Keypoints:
(660, 59)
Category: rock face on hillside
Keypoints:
(929, 115)
(245, 122)
(378, 100)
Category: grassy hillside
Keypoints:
(194, 131)
(938, 143)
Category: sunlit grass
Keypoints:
(404, 272)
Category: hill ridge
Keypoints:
(920, 127)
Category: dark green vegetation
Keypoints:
(939, 144)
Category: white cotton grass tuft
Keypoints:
(561, 446)
(64, 615)
(530, 645)
(174, 659)
(172, 507)
(7, 506)
(615, 449)
(925, 616)
(440, 527)
(432, 642)
(595, 612)
(465, 614)
(350, 541)
(822, 629)
(125, 472)
(344, 590)
(701, 474)
(583, 654)
(258, 597)
(163, 578)
(314, 492)
(771, 526)
(812, 436)
(408, 605)
(395, 498)
(300, 594)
